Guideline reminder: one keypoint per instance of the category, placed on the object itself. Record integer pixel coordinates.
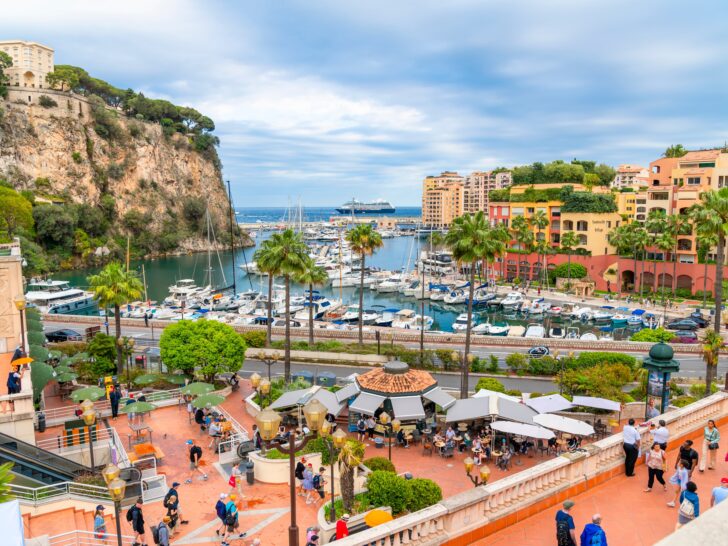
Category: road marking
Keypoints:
(195, 536)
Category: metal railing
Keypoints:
(68, 445)
(227, 450)
(60, 491)
(22, 450)
(87, 538)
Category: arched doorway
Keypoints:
(627, 280)
(648, 280)
(685, 281)
(29, 79)
(664, 280)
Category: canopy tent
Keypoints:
(439, 397)
(482, 393)
(489, 406)
(366, 403)
(597, 403)
(564, 424)
(342, 395)
(522, 429)
(407, 408)
(549, 404)
(301, 397)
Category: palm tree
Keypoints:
(350, 457)
(524, 237)
(676, 150)
(266, 263)
(113, 287)
(712, 344)
(6, 476)
(705, 242)
(540, 221)
(620, 239)
(677, 224)
(711, 214)
(640, 241)
(471, 239)
(287, 253)
(436, 240)
(312, 275)
(569, 241)
(363, 240)
(655, 225)
(665, 242)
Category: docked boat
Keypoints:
(619, 319)
(438, 292)
(553, 310)
(536, 307)
(500, 328)
(186, 291)
(588, 336)
(535, 331)
(602, 315)
(481, 296)
(422, 323)
(387, 317)
(378, 206)
(650, 321)
(389, 285)
(461, 323)
(583, 313)
(412, 289)
(572, 332)
(344, 281)
(405, 318)
(60, 298)
(456, 296)
(512, 300)
(557, 332)
(351, 316)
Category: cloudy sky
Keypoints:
(331, 99)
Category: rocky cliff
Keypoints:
(57, 153)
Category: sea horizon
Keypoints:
(310, 214)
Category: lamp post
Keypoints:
(477, 480)
(89, 418)
(268, 422)
(20, 306)
(334, 441)
(117, 488)
(269, 360)
(391, 425)
(128, 347)
(261, 385)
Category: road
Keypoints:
(691, 365)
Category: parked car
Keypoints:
(683, 324)
(539, 351)
(699, 319)
(686, 336)
(59, 336)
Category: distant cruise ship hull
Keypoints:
(372, 210)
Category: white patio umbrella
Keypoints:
(522, 429)
(564, 424)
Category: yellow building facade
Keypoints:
(442, 199)
(32, 62)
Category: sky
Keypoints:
(326, 100)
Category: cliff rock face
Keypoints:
(142, 168)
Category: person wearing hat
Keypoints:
(719, 493)
(195, 457)
(171, 503)
(231, 520)
(99, 523)
(163, 532)
(593, 533)
(342, 527)
(565, 527)
(221, 512)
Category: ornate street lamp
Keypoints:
(89, 418)
(334, 441)
(269, 360)
(477, 480)
(20, 306)
(117, 488)
(268, 422)
(391, 426)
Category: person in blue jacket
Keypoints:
(593, 534)
(689, 505)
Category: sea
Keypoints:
(247, 215)
(396, 254)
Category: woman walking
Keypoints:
(689, 505)
(679, 480)
(99, 524)
(656, 466)
(711, 437)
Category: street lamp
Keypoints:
(269, 360)
(127, 343)
(89, 418)
(261, 385)
(477, 480)
(268, 422)
(334, 441)
(20, 306)
(117, 488)
(391, 425)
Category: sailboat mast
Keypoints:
(128, 244)
(144, 280)
(232, 236)
(341, 274)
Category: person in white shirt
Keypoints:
(660, 434)
(215, 431)
(631, 447)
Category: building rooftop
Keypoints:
(700, 155)
(396, 378)
(630, 168)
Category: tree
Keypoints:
(676, 150)
(6, 61)
(540, 221)
(489, 383)
(63, 77)
(705, 242)
(677, 224)
(206, 346)
(312, 275)
(363, 240)
(113, 287)
(524, 238)
(266, 262)
(602, 380)
(6, 477)
(621, 239)
(641, 240)
(350, 457)
(471, 240)
(92, 220)
(436, 240)
(54, 225)
(569, 241)
(712, 345)
(656, 225)
(16, 212)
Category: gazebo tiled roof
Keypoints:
(396, 378)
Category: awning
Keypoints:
(352, 389)
(514, 411)
(439, 397)
(328, 399)
(489, 406)
(482, 393)
(467, 410)
(530, 431)
(366, 403)
(598, 403)
(407, 407)
(548, 404)
(564, 424)
(293, 398)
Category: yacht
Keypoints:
(557, 332)
(580, 312)
(601, 315)
(554, 310)
(438, 292)
(619, 319)
(351, 316)
(500, 328)
(387, 317)
(344, 281)
(588, 336)
(60, 298)
(422, 323)
(391, 284)
(251, 268)
(461, 323)
(456, 296)
(481, 296)
(187, 291)
(321, 306)
(513, 299)
(414, 288)
(536, 331)
(572, 332)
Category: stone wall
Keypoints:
(11, 288)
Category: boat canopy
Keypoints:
(638, 312)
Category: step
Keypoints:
(52, 524)
(26, 525)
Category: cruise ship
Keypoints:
(378, 206)
(60, 298)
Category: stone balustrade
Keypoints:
(482, 511)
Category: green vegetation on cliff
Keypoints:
(559, 172)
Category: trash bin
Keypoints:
(326, 379)
(305, 375)
(407, 476)
(41, 422)
(249, 473)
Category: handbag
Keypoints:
(713, 446)
(687, 509)
(231, 481)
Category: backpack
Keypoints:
(687, 509)
(563, 537)
(220, 509)
(155, 534)
(316, 481)
(129, 515)
(230, 517)
(596, 539)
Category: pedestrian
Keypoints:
(656, 466)
(565, 527)
(220, 511)
(100, 524)
(236, 480)
(136, 517)
(163, 531)
(689, 455)
(215, 431)
(298, 473)
(312, 540)
(231, 520)
(318, 485)
(172, 514)
(631, 447)
(114, 399)
(311, 532)
(371, 425)
(711, 437)
(679, 481)
(593, 534)
(171, 500)
(719, 494)
(195, 458)
(256, 437)
(130, 400)
(308, 482)
(660, 434)
(361, 429)
(342, 527)
(689, 505)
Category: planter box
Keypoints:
(277, 470)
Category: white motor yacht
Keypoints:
(412, 288)
(456, 296)
(187, 291)
(572, 332)
(461, 323)
(579, 312)
(60, 298)
(351, 316)
(557, 332)
(535, 331)
(602, 315)
(513, 299)
(386, 318)
(391, 284)
(588, 336)
(404, 318)
(422, 323)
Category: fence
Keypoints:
(88, 538)
(67, 446)
(227, 452)
(59, 491)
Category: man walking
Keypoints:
(719, 493)
(136, 517)
(593, 534)
(163, 531)
(221, 512)
(114, 399)
(171, 502)
(195, 457)
(231, 521)
(565, 527)
(631, 447)
(689, 455)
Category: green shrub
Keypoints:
(517, 363)
(379, 463)
(653, 336)
(513, 392)
(424, 493)
(490, 384)
(115, 170)
(546, 365)
(582, 201)
(76, 156)
(388, 489)
(589, 359)
(682, 401)
(698, 390)
(493, 364)
(46, 102)
(69, 348)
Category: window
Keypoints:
(722, 181)
(530, 210)
(693, 181)
(582, 225)
(582, 239)
(568, 225)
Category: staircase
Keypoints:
(72, 527)
(37, 464)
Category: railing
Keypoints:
(60, 491)
(227, 452)
(64, 446)
(88, 538)
(474, 510)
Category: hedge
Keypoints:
(653, 336)
(388, 489)
(424, 493)
(379, 463)
(563, 271)
(583, 201)
(490, 384)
